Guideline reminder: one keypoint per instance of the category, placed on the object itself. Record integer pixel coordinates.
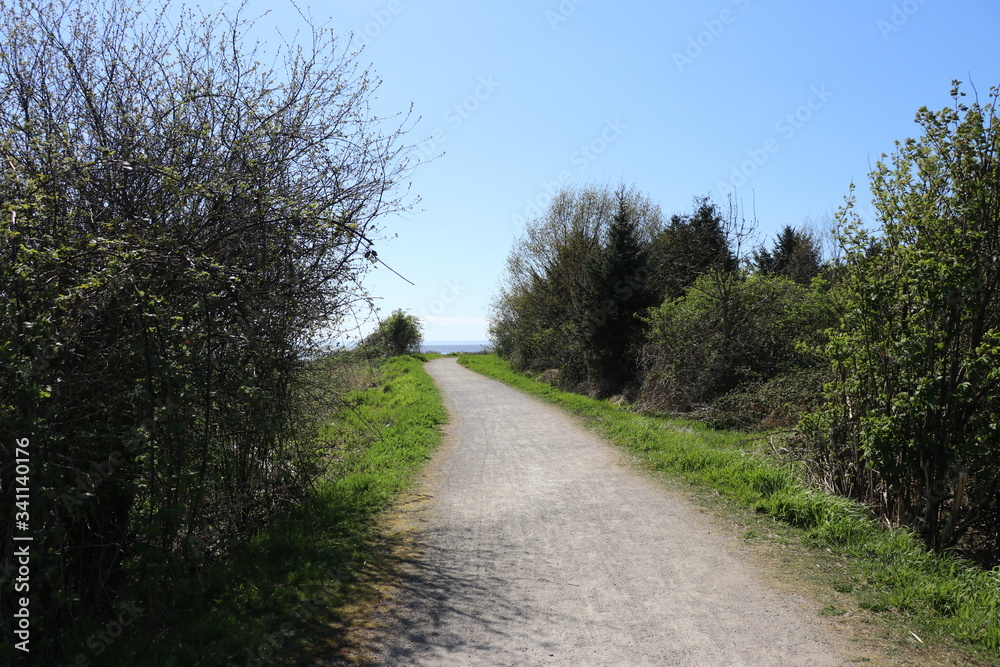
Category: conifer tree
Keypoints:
(690, 246)
(795, 255)
(617, 288)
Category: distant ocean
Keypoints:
(452, 346)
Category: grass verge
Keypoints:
(292, 595)
(938, 599)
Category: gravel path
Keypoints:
(540, 547)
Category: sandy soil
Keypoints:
(539, 546)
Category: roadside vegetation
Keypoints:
(186, 214)
(296, 589)
(397, 334)
(182, 226)
(942, 599)
(879, 361)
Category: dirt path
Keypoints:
(540, 547)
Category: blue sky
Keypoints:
(783, 103)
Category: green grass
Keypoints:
(291, 594)
(940, 597)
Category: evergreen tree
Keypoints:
(617, 292)
(690, 246)
(546, 306)
(795, 255)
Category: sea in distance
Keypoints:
(446, 347)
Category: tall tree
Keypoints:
(617, 293)
(795, 255)
(545, 301)
(690, 246)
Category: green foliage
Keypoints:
(617, 293)
(917, 353)
(177, 221)
(567, 284)
(711, 341)
(296, 585)
(777, 402)
(397, 334)
(584, 294)
(723, 330)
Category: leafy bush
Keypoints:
(917, 353)
(177, 221)
(779, 402)
(729, 332)
(395, 335)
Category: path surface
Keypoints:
(541, 547)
